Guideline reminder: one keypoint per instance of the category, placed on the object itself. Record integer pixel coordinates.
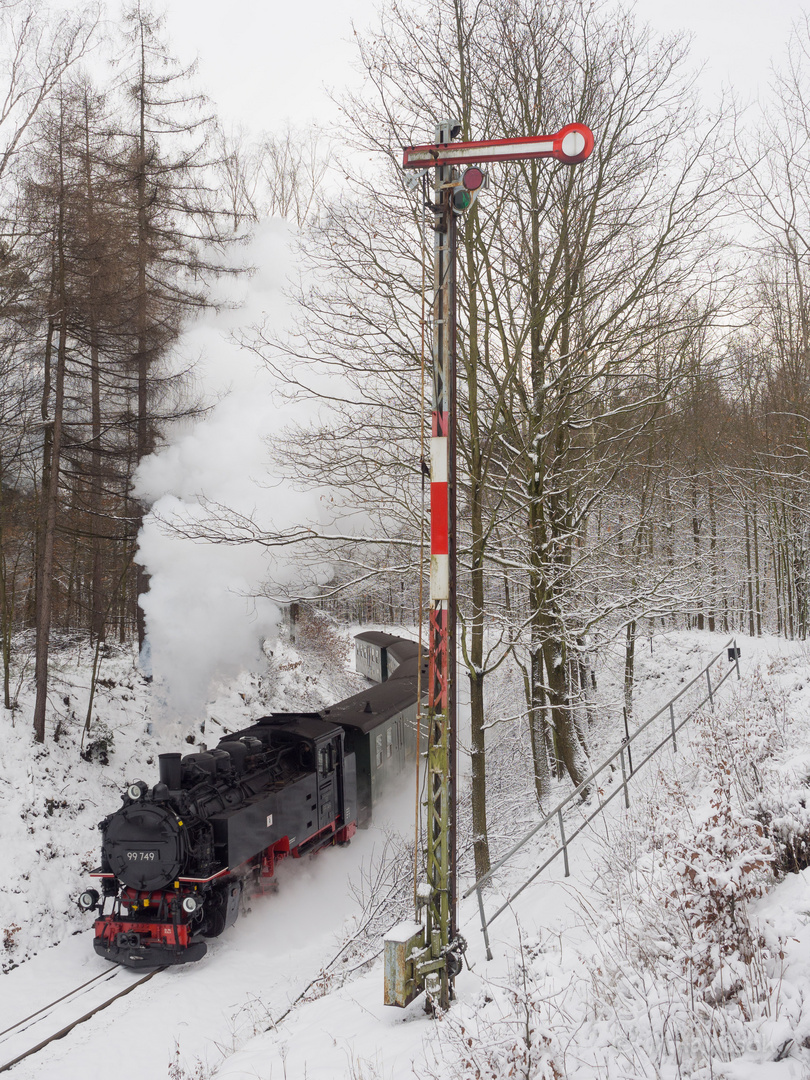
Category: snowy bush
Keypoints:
(680, 934)
(506, 1034)
(710, 872)
(676, 970)
(384, 894)
(101, 745)
(785, 813)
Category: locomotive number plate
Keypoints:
(141, 856)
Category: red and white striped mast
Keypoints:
(442, 748)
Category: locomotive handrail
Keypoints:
(557, 811)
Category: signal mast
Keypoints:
(428, 956)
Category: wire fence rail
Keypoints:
(624, 755)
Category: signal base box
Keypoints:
(401, 982)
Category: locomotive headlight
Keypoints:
(134, 791)
(191, 904)
(88, 900)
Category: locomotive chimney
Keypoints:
(170, 771)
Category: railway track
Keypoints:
(57, 1019)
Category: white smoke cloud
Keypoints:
(204, 618)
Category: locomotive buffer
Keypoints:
(428, 956)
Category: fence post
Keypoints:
(562, 838)
(484, 922)
(709, 683)
(627, 740)
(624, 779)
(737, 659)
(672, 722)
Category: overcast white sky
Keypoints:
(263, 61)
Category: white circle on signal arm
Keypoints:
(573, 143)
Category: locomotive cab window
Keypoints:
(389, 742)
(379, 748)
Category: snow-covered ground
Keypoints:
(671, 950)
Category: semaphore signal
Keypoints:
(428, 956)
(571, 145)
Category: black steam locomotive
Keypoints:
(176, 857)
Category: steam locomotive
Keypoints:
(177, 856)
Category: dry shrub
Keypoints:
(678, 935)
(318, 632)
(755, 741)
(383, 890)
(507, 1034)
(10, 944)
(178, 1071)
(715, 869)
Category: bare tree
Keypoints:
(292, 165)
(774, 194)
(38, 51)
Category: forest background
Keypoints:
(633, 344)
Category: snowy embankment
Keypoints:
(670, 951)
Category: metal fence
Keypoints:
(624, 754)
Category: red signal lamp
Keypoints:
(473, 178)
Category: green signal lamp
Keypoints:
(472, 180)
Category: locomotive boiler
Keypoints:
(177, 855)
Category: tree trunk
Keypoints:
(629, 667)
(50, 496)
(749, 571)
(143, 441)
(537, 703)
(567, 740)
(478, 541)
(696, 544)
(757, 584)
(713, 555)
(5, 609)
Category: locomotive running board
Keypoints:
(204, 880)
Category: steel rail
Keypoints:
(74, 1023)
(70, 993)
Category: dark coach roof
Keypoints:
(374, 706)
(402, 651)
(376, 637)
